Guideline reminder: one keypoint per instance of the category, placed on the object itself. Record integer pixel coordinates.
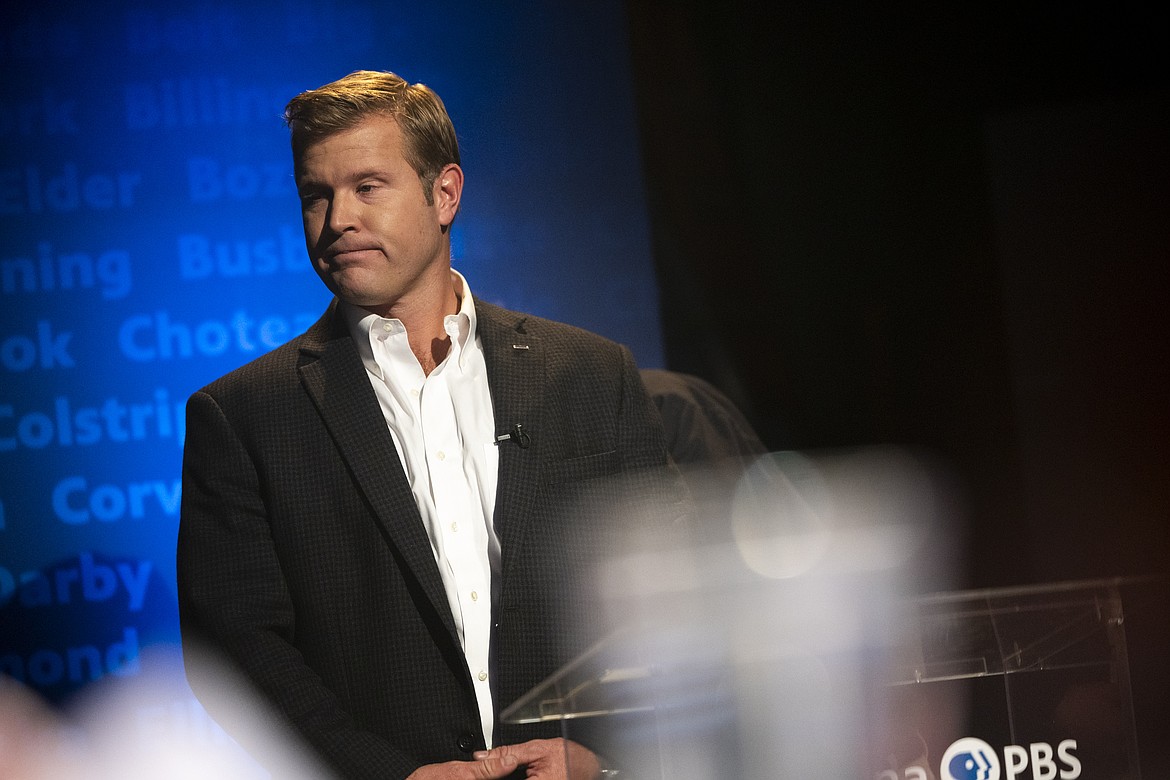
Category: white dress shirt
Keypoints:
(444, 429)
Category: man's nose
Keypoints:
(343, 214)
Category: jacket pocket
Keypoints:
(581, 468)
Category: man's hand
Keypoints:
(545, 759)
(488, 768)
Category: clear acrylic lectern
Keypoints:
(1027, 683)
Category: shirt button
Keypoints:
(454, 528)
(387, 327)
(441, 455)
(414, 392)
(482, 676)
(474, 596)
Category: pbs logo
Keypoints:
(970, 759)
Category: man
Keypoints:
(389, 523)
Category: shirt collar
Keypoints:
(365, 327)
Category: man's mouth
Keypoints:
(335, 255)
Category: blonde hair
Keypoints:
(430, 136)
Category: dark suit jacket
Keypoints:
(302, 556)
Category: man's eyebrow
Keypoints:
(307, 184)
(370, 173)
(305, 180)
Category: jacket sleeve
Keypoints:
(642, 442)
(235, 606)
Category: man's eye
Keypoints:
(366, 189)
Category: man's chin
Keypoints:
(348, 286)
(363, 299)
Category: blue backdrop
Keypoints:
(152, 242)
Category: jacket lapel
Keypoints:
(515, 367)
(332, 372)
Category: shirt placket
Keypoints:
(463, 540)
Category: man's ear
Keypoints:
(448, 190)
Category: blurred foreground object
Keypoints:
(756, 652)
(146, 726)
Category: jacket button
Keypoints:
(467, 743)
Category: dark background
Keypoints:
(942, 226)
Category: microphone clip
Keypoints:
(517, 435)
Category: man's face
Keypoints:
(371, 235)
